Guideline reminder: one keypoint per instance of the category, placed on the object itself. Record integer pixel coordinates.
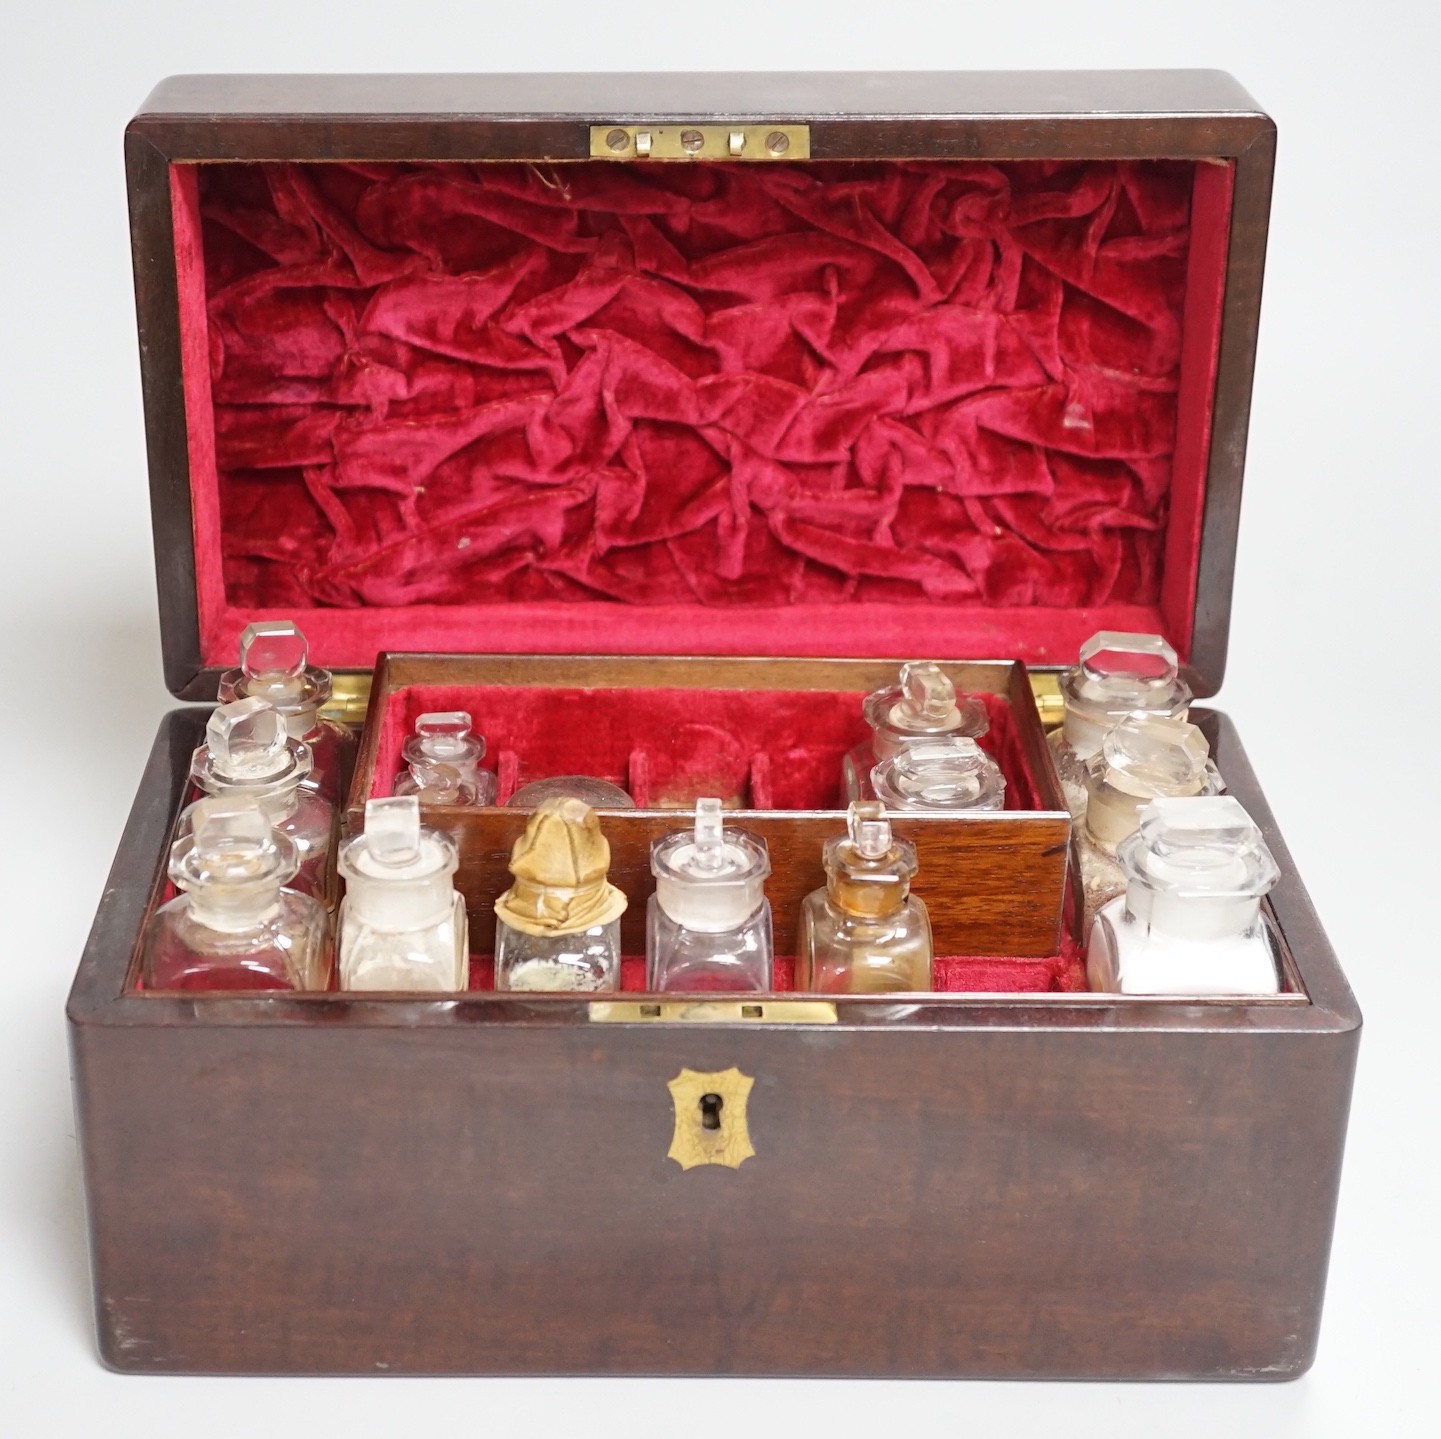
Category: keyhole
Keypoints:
(710, 1111)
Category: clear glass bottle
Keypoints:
(402, 925)
(248, 751)
(1117, 674)
(597, 793)
(235, 925)
(708, 924)
(443, 760)
(865, 933)
(1190, 921)
(1143, 757)
(274, 666)
(923, 706)
(558, 925)
(952, 773)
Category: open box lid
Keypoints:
(953, 365)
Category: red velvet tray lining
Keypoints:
(771, 749)
(919, 407)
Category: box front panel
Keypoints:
(473, 1198)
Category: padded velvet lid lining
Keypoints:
(853, 409)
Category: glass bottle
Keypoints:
(597, 793)
(923, 706)
(953, 773)
(402, 925)
(443, 760)
(865, 933)
(248, 751)
(708, 924)
(234, 925)
(274, 666)
(1117, 674)
(558, 925)
(1143, 757)
(1190, 919)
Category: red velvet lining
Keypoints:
(953, 974)
(769, 749)
(939, 407)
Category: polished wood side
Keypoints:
(1060, 1186)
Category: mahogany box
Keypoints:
(661, 417)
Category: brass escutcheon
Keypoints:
(710, 1118)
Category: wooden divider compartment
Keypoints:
(994, 883)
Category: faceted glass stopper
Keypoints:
(270, 647)
(868, 829)
(1200, 848)
(928, 698)
(953, 772)
(1160, 755)
(444, 736)
(248, 739)
(392, 830)
(231, 842)
(1117, 660)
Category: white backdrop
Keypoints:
(1332, 676)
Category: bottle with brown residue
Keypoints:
(865, 932)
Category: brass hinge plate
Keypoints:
(711, 1011)
(682, 141)
(349, 698)
(1047, 689)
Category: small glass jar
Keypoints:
(274, 666)
(442, 761)
(402, 925)
(865, 933)
(597, 793)
(1142, 758)
(1117, 674)
(923, 707)
(234, 925)
(952, 773)
(558, 925)
(708, 924)
(1189, 921)
(248, 751)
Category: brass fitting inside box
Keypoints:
(681, 141)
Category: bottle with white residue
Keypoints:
(402, 925)
(1190, 920)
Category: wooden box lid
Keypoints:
(443, 363)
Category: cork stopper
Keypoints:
(560, 867)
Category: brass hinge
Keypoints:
(1047, 689)
(680, 141)
(349, 698)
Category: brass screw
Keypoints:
(778, 142)
(618, 140)
(691, 140)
